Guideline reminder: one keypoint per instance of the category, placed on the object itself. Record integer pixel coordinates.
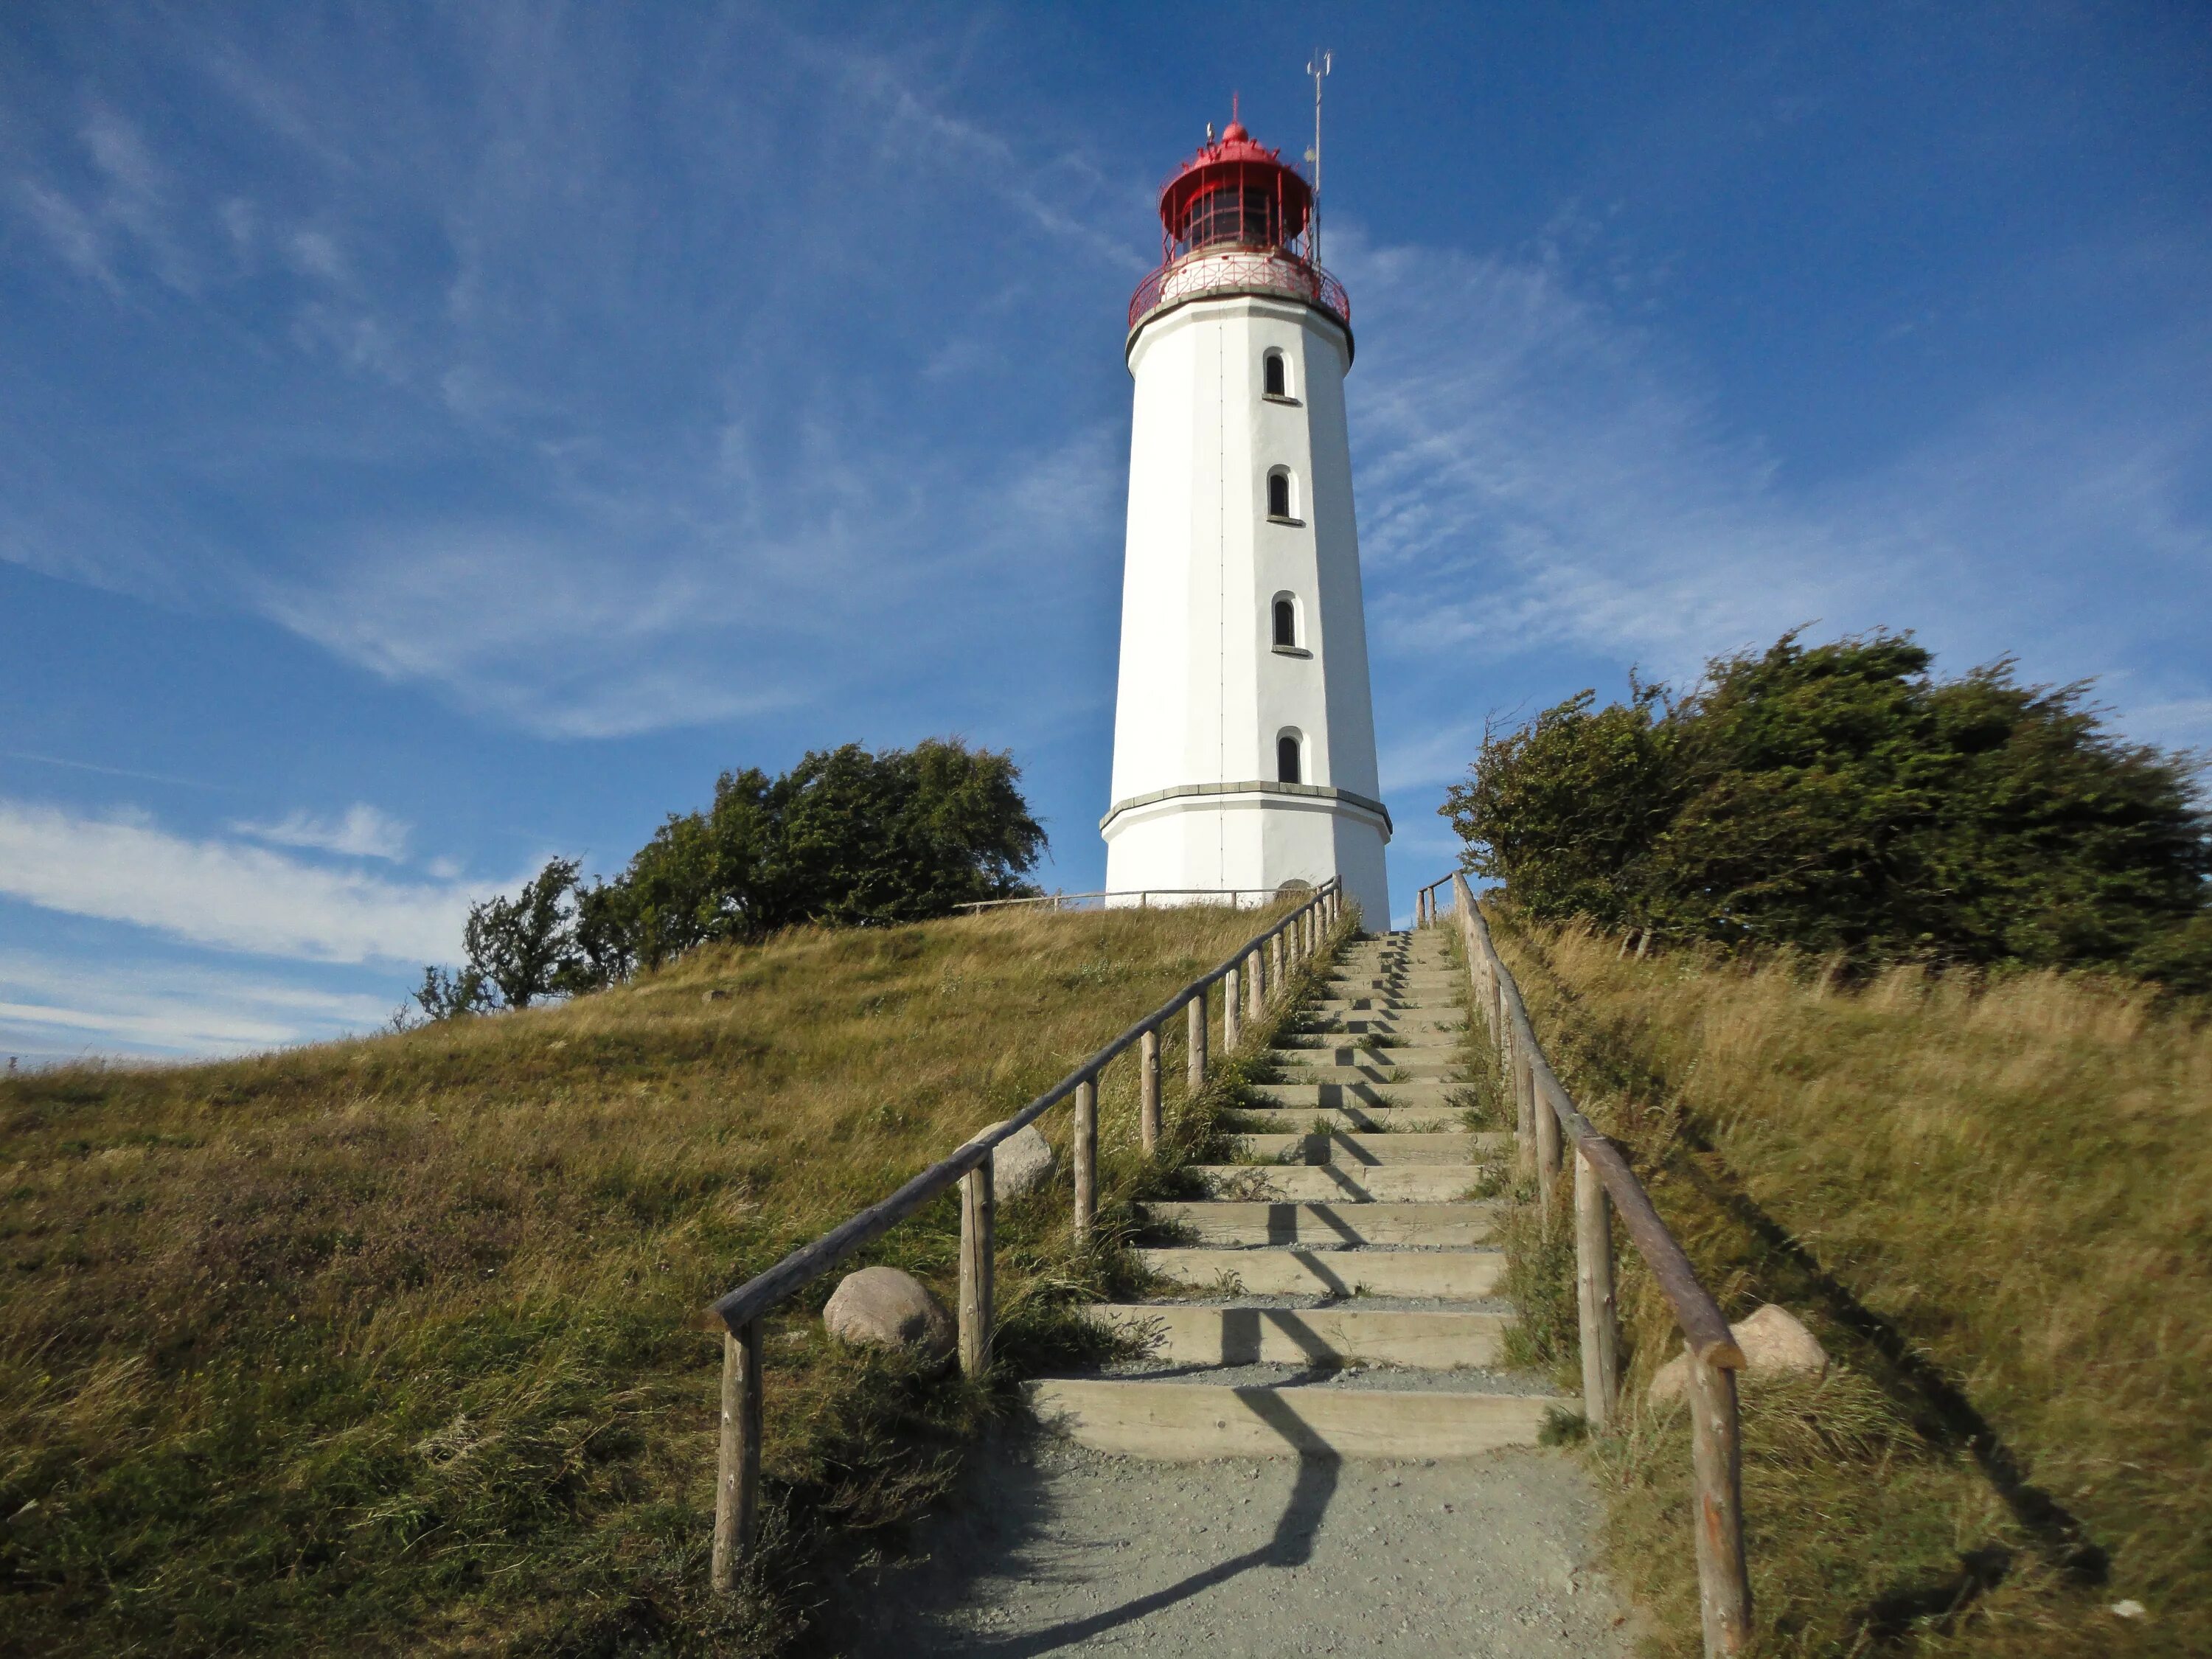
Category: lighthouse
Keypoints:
(1243, 728)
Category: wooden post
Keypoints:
(1276, 974)
(1086, 1157)
(1717, 1457)
(1255, 986)
(1548, 1151)
(737, 1474)
(979, 1216)
(1148, 1106)
(1231, 1013)
(1524, 1105)
(1197, 1040)
(1593, 1293)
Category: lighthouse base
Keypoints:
(1258, 837)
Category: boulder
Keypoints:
(884, 1308)
(1021, 1163)
(1773, 1342)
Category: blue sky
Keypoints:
(434, 438)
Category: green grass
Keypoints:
(1992, 1201)
(393, 1344)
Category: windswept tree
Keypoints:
(518, 951)
(845, 838)
(1838, 797)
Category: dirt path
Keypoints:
(1049, 1548)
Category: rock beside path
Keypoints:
(1773, 1342)
(884, 1308)
(1021, 1163)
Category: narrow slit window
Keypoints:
(1279, 494)
(1286, 622)
(1286, 759)
(1274, 381)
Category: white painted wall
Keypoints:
(1203, 694)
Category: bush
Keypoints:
(1837, 798)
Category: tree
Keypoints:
(519, 949)
(846, 838)
(1838, 797)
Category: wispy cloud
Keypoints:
(767, 527)
(1537, 476)
(360, 831)
(222, 894)
(52, 1009)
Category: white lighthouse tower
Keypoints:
(1244, 732)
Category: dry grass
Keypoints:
(391, 1345)
(1994, 1204)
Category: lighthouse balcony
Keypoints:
(1217, 271)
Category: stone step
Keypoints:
(1466, 1275)
(1369, 1120)
(1144, 1418)
(1383, 1006)
(1401, 977)
(1447, 1147)
(1339, 1183)
(1231, 1221)
(1190, 1334)
(1418, 1028)
(1376, 1071)
(1354, 1093)
(1346, 1053)
(1389, 1007)
(1380, 1007)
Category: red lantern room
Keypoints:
(1236, 219)
(1233, 194)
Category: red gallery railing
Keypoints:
(1216, 271)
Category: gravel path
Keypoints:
(1049, 1548)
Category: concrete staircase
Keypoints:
(1338, 1282)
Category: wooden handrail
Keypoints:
(1604, 1182)
(810, 1262)
(1294, 939)
(1695, 1310)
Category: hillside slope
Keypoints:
(1995, 1205)
(391, 1344)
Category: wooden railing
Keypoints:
(1261, 967)
(1604, 1183)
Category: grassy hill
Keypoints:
(391, 1344)
(1993, 1202)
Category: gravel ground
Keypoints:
(1049, 1548)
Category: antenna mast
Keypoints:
(1318, 67)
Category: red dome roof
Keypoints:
(1236, 158)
